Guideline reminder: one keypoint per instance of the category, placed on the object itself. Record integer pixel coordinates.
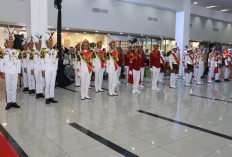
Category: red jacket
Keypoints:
(127, 58)
(135, 61)
(120, 59)
(155, 59)
(142, 56)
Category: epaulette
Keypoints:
(31, 55)
(20, 56)
(43, 53)
(1, 53)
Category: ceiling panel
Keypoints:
(220, 4)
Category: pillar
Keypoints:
(182, 30)
(37, 18)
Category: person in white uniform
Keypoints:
(11, 69)
(24, 65)
(174, 61)
(99, 67)
(200, 64)
(189, 67)
(75, 62)
(228, 60)
(211, 64)
(112, 68)
(85, 68)
(30, 70)
(162, 67)
(49, 59)
(37, 63)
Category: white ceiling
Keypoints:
(220, 4)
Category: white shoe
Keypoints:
(210, 81)
(82, 98)
(96, 91)
(133, 91)
(115, 94)
(157, 89)
(188, 85)
(118, 82)
(90, 87)
(173, 87)
(137, 91)
(87, 97)
(141, 86)
(101, 90)
(199, 83)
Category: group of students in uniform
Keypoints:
(39, 67)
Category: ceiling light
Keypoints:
(141, 35)
(76, 33)
(67, 28)
(211, 7)
(108, 34)
(224, 10)
(120, 33)
(195, 2)
(96, 31)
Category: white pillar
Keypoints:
(37, 18)
(182, 29)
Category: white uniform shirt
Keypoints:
(172, 59)
(29, 60)
(50, 60)
(11, 63)
(37, 62)
(188, 60)
(24, 60)
(96, 61)
(83, 66)
(110, 63)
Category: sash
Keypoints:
(176, 59)
(31, 55)
(114, 59)
(1, 53)
(163, 61)
(191, 58)
(100, 58)
(88, 63)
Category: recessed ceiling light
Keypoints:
(120, 33)
(96, 31)
(67, 28)
(224, 10)
(195, 2)
(211, 7)
(108, 34)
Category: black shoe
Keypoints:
(15, 105)
(226, 80)
(41, 95)
(37, 96)
(30, 91)
(218, 81)
(33, 91)
(8, 106)
(25, 89)
(47, 101)
(52, 100)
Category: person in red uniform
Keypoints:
(134, 70)
(99, 66)
(119, 49)
(85, 69)
(112, 68)
(142, 65)
(127, 61)
(155, 66)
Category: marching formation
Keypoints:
(38, 67)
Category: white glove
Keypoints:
(130, 72)
(150, 69)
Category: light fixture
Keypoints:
(224, 10)
(120, 33)
(108, 34)
(142, 35)
(96, 31)
(67, 28)
(195, 2)
(76, 33)
(212, 6)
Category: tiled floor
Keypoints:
(44, 130)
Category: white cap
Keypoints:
(38, 39)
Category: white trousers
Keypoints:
(11, 81)
(142, 74)
(77, 78)
(119, 73)
(211, 72)
(126, 71)
(200, 71)
(173, 80)
(188, 77)
(50, 79)
(85, 83)
(155, 76)
(31, 80)
(161, 77)
(227, 73)
(39, 81)
(184, 74)
(196, 72)
(25, 79)
(217, 75)
(99, 78)
(136, 78)
(112, 82)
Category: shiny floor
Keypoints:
(44, 130)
